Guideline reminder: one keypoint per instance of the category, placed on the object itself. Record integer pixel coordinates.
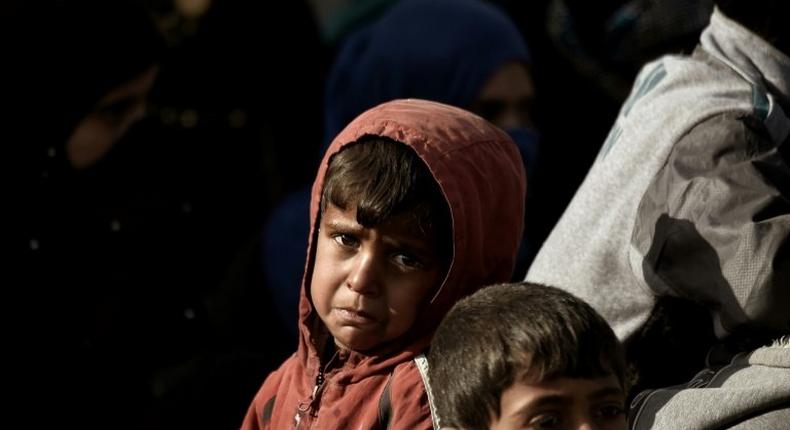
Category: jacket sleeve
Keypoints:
(410, 408)
(714, 224)
(749, 392)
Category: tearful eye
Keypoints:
(345, 240)
(545, 421)
(611, 411)
(409, 260)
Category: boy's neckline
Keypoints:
(334, 354)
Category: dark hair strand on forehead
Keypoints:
(383, 178)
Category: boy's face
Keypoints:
(563, 403)
(369, 284)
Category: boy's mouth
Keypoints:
(355, 316)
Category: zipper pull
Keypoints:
(305, 405)
(319, 381)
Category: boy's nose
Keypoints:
(363, 278)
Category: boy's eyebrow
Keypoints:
(547, 400)
(552, 399)
(606, 392)
(411, 242)
(344, 225)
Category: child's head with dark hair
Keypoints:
(382, 178)
(524, 356)
(415, 205)
(383, 245)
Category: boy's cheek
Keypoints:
(319, 296)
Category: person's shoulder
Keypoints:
(695, 85)
(409, 395)
(289, 367)
(406, 372)
(281, 379)
(735, 128)
(408, 379)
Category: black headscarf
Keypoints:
(72, 52)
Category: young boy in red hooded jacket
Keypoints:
(416, 204)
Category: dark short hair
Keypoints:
(515, 332)
(383, 178)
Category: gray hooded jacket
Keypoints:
(690, 198)
(690, 194)
(751, 392)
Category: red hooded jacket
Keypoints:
(480, 173)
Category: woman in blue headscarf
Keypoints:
(466, 53)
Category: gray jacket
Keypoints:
(751, 392)
(690, 194)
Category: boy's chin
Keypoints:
(354, 339)
(354, 343)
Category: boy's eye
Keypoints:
(409, 260)
(610, 411)
(545, 421)
(346, 240)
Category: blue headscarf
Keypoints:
(441, 50)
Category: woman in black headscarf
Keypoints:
(85, 69)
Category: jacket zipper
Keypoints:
(307, 405)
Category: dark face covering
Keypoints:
(528, 141)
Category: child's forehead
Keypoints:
(564, 389)
(404, 224)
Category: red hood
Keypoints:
(480, 173)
